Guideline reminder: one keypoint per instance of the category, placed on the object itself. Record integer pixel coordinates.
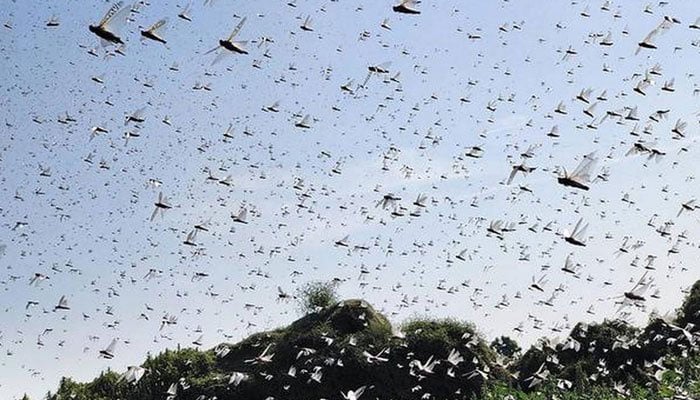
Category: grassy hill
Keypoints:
(348, 345)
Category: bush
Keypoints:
(317, 295)
(506, 347)
(690, 311)
(437, 336)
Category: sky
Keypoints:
(86, 224)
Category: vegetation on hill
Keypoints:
(347, 345)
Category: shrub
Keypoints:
(506, 347)
(317, 295)
(690, 311)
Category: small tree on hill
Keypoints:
(317, 295)
(506, 346)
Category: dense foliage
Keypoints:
(317, 295)
(346, 345)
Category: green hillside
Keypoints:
(350, 346)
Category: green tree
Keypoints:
(690, 310)
(317, 295)
(506, 346)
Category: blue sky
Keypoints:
(88, 228)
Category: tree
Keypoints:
(317, 295)
(690, 311)
(506, 346)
